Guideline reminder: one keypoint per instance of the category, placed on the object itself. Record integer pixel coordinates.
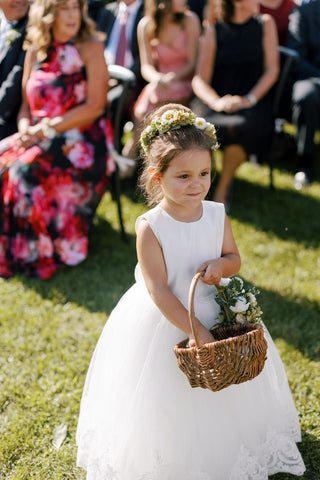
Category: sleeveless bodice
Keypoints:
(239, 57)
(58, 83)
(171, 58)
(186, 246)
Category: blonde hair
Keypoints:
(166, 146)
(42, 16)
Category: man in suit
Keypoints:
(109, 21)
(304, 37)
(13, 22)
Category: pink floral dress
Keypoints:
(49, 192)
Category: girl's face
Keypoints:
(187, 180)
(68, 21)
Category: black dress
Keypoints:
(238, 66)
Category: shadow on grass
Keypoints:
(101, 280)
(98, 282)
(310, 451)
(288, 214)
(296, 321)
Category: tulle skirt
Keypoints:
(141, 420)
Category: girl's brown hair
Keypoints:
(164, 147)
(42, 16)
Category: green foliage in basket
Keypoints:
(238, 302)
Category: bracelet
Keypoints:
(47, 129)
(252, 99)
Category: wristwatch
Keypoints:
(252, 99)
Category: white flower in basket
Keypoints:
(11, 35)
(238, 302)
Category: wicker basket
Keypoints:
(237, 355)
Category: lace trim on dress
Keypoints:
(279, 453)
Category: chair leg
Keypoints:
(115, 193)
(271, 185)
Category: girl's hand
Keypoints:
(212, 271)
(204, 334)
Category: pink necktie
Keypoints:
(122, 42)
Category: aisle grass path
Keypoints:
(48, 330)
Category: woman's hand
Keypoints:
(231, 103)
(31, 136)
(165, 80)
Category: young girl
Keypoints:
(139, 417)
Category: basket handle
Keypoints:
(192, 316)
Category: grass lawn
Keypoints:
(48, 329)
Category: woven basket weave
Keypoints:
(237, 355)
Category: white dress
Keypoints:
(139, 417)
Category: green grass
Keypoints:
(48, 329)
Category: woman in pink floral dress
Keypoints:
(54, 171)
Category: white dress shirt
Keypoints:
(4, 27)
(110, 50)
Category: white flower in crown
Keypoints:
(11, 35)
(169, 116)
(200, 123)
(149, 130)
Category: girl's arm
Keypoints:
(228, 264)
(154, 272)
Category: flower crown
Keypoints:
(172, 120)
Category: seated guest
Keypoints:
(95, 7)
(237, 65)
(119, 21)
(13, 21)
(197, 6)
(304, 37)
(280, 11)
(53, 171)
(168, 38)
(212, 12)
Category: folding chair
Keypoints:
(125, 79)
(288, 57)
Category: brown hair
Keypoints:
(228, 9)
(164, 147)
(158, 10)
(42, 16)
